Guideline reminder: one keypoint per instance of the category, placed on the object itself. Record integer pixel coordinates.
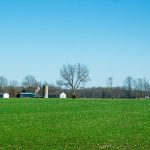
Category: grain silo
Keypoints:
(45, 91)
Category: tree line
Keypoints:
(73, 79)
(132, 88)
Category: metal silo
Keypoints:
(45, 91)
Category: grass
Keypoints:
(42, 124)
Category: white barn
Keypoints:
(5, 95)
(63, 95)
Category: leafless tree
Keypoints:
(140, 87)
(135, 88)
(3, 83)
(14, 83)
(29, 82)
(149, 90)
(110, 82)
(73, 77)
(13, 88)
(110, 85)
(128, 84)
(145, 87)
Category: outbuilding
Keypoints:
(63, 95)
(5, 95)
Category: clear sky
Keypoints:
(111, 37)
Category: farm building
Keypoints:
(5, 95)
(27, 95)
(63, 95)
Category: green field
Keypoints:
(55, 124)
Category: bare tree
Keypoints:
(135, 88)
(140, 87)
(13, 88)
(29, 82)
(149, 90)
(3, 83)
(14, 83)
(128, 83)
(110, 85)
(145, 87)
(73, 77)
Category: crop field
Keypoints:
(81, 124)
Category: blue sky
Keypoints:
(111, 37)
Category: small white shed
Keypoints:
(5, 95)
(63, 95)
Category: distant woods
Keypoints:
(131, 87)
